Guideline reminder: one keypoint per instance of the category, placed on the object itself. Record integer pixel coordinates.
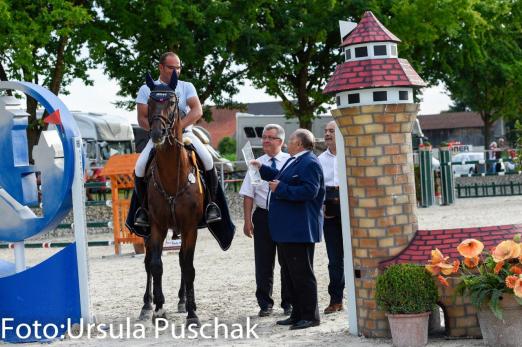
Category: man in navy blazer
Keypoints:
(295, 219)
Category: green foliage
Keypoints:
(291, 50)
(230, 156)
(41, 41)
(204, 33)
(227, 146)
(406, 288)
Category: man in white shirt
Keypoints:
(332, 229)
(191, 112)
(256, 223)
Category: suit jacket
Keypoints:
(295, 208)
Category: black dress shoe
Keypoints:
(303, 324)
(265, 313)
(288, 321)
(288, 311)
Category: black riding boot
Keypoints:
(141, 218)
(212, 212)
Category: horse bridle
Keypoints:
(164, 96)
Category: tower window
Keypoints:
(380, 96)
(361, 52)
(338, 100)
(394, 50)
(354, 98)
(379, 50)
(348, 54)
(403, 95)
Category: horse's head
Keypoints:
(163, 109)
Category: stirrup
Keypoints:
(141, 218)
(212, 213)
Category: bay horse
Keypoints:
(175, 201)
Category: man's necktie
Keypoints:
(273, 165)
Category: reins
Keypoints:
(172, 139)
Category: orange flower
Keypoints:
(439, 263)
(517, 270)
(443, 281)
(499, 267)
(518, 288)
(511, 281)
(437, 257)
(471, 263)
(470, 248)
(456, 265)
(506, 250)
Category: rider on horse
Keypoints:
(191, 111)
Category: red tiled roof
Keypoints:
(369, 29)
(447, 240)
(223, 124)
(373, 73)
(451, 120)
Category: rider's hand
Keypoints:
(248, 229)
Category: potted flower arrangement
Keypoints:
(408, 294)
(493, 282)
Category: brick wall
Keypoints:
(381, 191)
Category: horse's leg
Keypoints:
(146, 310)
(188, 247)
(156, 269)
(181, 293)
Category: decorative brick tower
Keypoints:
(375, 113)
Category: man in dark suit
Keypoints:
(295, 220)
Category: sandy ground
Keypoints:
(225, 285)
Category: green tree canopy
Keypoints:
(205, 34)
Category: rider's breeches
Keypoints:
(202, 151)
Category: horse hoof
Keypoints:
(193, 321)
(145, 314)
(182, 308)
(161, 313)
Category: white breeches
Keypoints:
(201, 150)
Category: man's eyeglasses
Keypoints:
(172, 67)
(271, 138)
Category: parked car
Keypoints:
(465, 169)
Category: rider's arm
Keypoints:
(143, 112)
(196, 111)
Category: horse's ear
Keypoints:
(150, 81)
(173, 80)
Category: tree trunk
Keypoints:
(59, 67)
(486, 118)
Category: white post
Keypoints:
(19, 253)
(80, 231)
(347, 238)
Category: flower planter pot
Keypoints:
(506, 332)
(409, 330)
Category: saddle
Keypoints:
(223, 231)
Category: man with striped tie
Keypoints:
(256, 223)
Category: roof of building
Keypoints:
(447, 240)
(450, 120)
(369, 29)
(373, 73)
